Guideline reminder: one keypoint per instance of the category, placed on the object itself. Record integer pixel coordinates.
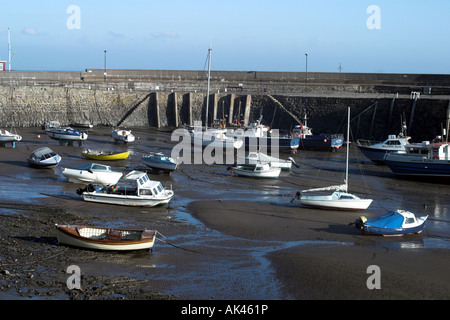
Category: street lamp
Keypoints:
(104, 73)
(306, 78)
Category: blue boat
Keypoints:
(421, 160)
(393, 223)
(316, 142)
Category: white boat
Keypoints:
(67, 134)
(92, 173)
(105, 238)
(255, 157)
(44, 158)
(216, 138)
(136, 189)
(122, 135)
(340, 199)
(259, 170)
(393, 223)
(8, 137)
(160, 162)
(376, 151)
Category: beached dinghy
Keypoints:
(258, 170)
(65, 135)
(393, 223)
(104, 155)
(8, 137)
(121, 135)
(92, 173)
(44, 158)
(105, 238)
(160, 162)
(255, 157)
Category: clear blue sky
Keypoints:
(250, 35)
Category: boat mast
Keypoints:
(207, 90)
(348, 147)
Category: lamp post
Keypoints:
(306, 78)
(104, 73)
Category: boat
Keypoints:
(376, 151)
(65, 134)
(257, 136)
(258, 170)
(7, 137)
(105, 238)
(105, 155)
(316, 142)
(160, 162)
(44, 158)
(422, 160)
(393, 223)
(211, 137)
(122, 135)
(340, 199)
(255, 157)
(135, 189)
(92, 173)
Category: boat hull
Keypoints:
(96, 177)
(161, 166)
(320, 143)
(375, 155)
(128, 200)
(106, 156)
(419, 167)
(391, 231)
(67, 236)
(335, 203)
(243, 171)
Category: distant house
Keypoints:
(2, 65)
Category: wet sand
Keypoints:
(227, 237)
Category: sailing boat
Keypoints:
(214, 137)
(340, 199)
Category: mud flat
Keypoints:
(224, 237)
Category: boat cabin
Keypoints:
(138, 183)
(435, 151)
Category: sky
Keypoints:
(373, 36)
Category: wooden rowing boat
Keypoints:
(105, 238)
(104, 155)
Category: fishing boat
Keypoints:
(135, 189)
(393, 223)
(258, 170)
(8, 137)
(255, 157)
(105, 238)
(121, 135)
(44, 158)
(376, 151)
(422, 160)
(65, 135)
(105, 155)
(160, 162)
(316, 142)
(340, 199)
(92, 173)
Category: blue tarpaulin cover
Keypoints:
(391, 219)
